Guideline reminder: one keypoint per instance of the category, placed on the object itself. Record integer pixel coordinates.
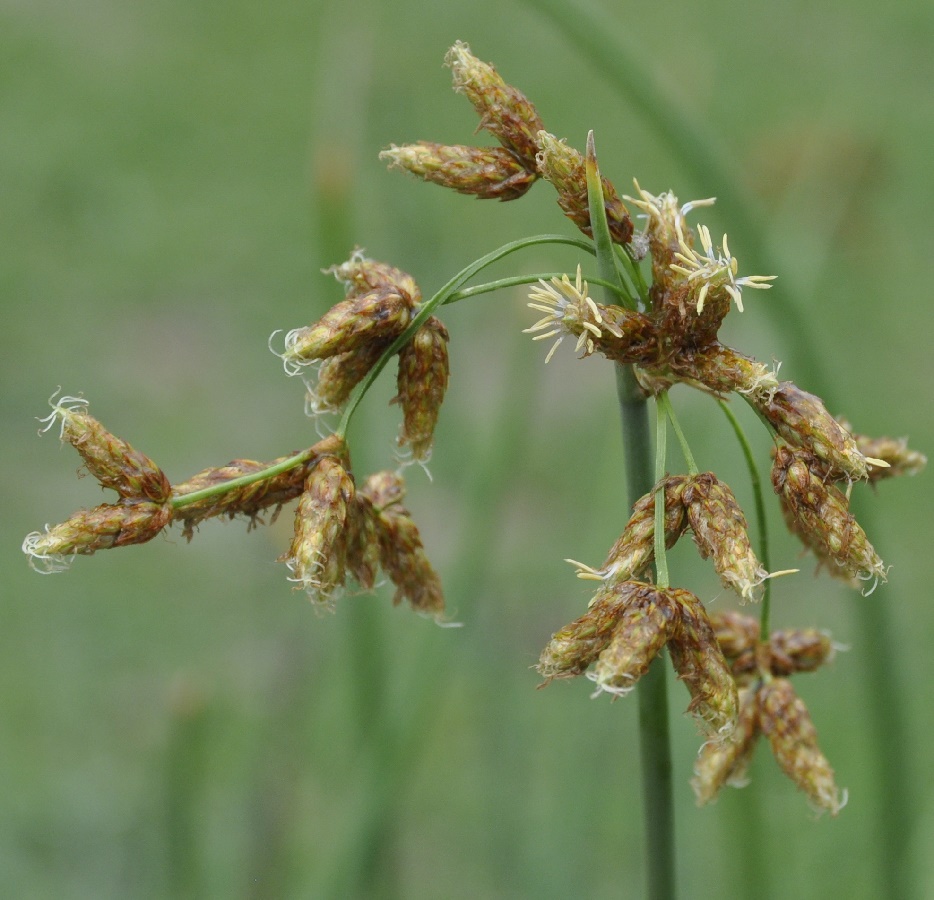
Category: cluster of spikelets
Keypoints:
(672, 337)
(343, 533)
(769, 706)
(349, 340)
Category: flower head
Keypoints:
(568, 310)
(714, 269)
(665, 217)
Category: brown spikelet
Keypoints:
(422, 382)
(90, 530)
(785, 721)
(111, 460)
(803, 421)
(700, 664)
(722, 370)
(724, 762)
(573, 648)
(404, 560)
(736, 633)
(361, 275)
(819, 514)
(353, 323)
(489, 173)
(564, 168)
(339, 375)
(249, 500)
(680, 326)
(504, 110)
(720, 533)
(895, 451)
(634, 549)
(317, 555)
(362, 547)
(799, 650)
(643, 628)
(384, 489)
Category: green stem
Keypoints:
(661, 448)
(665, 403)
(215, 490)
(518, 280)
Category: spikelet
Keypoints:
(803, 421)
(360, 275)
(724, 762)
(317, 555)
(488, 173)
(112, 461)
(720, 533)
(248, 500)
(573, 648)
(504, 111)
(563, 167)
(422, 382)
(634, 549)
(645, 624)
(736, 633)
(901, 459)
(819, 514)
(799, 650)
(700, 664)
(403, 558)
(90, 530)
(786, 722)
(353, 323)
(339, 375)
(721, 370)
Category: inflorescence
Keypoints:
(347, 531)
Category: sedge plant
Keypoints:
(664, 287)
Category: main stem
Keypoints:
(654, 739)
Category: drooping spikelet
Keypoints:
(725, 761)
(720, 533)
(90, 530)
(564, 168)
(901, 459)
(489, 173)
(803, 421)
(700, 664)
(422, 382)
(353, 323)
(645, 624)
(112, 461)
(360, 275)
(634, 549)
(573, 648)
(403, 558)
(339, 375)
(317, 555)
(819, 514)
(799, 650)
(504, 110)
(785, 721)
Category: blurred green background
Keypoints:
(175, 721)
